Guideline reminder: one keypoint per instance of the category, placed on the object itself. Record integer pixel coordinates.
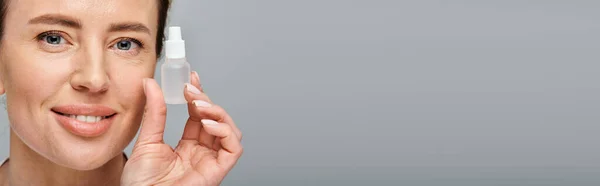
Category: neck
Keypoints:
(26, 167)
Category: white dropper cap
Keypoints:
(175, 46)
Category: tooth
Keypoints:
(97, 118)
(90, 119)
(81, 118)
(73, 116)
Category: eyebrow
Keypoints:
(129, 26)
(56, 19)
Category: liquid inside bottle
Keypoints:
(175, 73)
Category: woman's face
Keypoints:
(72, 72)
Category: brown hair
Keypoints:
(163, 10)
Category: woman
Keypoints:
(77, 75)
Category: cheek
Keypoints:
(127, 89)
(35, 77)
(31, 83)
(130, 92)
(126, 83)
(126, 80)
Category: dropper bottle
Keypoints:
(175, 71)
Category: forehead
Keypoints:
(89, 12)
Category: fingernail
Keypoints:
(191, 88)
(209, 122)
(196, 76)
(200, 103)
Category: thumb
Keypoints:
(155, 114)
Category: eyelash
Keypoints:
(49, 33)
(58, 33)
(138, 42)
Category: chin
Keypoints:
(79, 154)
(71, 151)
(84, 160)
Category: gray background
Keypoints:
(390, 92)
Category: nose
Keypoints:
(90, 75)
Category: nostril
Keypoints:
(91, 80)
(91, 89)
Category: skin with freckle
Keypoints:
(64, 64)
(85, 66)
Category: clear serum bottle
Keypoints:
(175, 71)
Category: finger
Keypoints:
(193, 127)
(194, 131)
(193, 93)
(191, 130)
(205, 110)
(216, 145)
(195, 80)
(231, 149)
(155, 114)
(197, 98)
(237, 131)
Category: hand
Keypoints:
(208, 150)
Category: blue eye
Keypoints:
(53, 39)
(126, 45)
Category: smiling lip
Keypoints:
(85, 120)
